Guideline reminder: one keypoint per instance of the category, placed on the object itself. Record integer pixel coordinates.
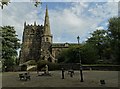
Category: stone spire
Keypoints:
(46, 11)
(24, 23)
(47, 23)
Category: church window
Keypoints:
(46, 39)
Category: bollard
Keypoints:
(62, 73)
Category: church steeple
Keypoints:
(47, 37)
(47, 23)
(46, 14)
(46, 43)
(25, 24)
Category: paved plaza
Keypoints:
(91, 79)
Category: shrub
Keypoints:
(32, 62)
(51, 66)
(41, 64)
(23, 67)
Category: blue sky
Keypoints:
(67, 19)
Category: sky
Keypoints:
(67, 19)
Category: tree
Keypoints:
(100, 40)
(114, 28)
(69, 55)
(86, 52)
(10, 44)
(6, 2)
(114, 34)
(89, 54)
(37, 3)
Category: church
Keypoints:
(37, 43)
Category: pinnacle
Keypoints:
(46, 11)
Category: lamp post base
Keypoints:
(81, 76)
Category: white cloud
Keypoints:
(65, 0)
(100, 28)
(15, 14)
(66, 23)
(0, 17)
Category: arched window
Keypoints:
(46, 39)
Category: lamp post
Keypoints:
(81, 74)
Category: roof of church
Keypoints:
(65, 45)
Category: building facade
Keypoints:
(37, 43)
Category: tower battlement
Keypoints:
(32, 25)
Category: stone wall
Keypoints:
(91, 67)
(31, 44)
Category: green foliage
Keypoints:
(114, 28)
(41, 64)
(62, 56)
(89, 54)
(37, 3)
(51, 66)
(98, 38)
(31, 62)
(10, 44)
(23, 67)
(86, 53)
(101, 42)
(102, 47)
(107, 42)
(69, 55)
(5, 2)
(114, 33)
(72, 55)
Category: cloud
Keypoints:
(80, 18)
(119, 8)
(0, 17)
(100, 28)
(16, 13)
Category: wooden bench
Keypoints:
(102, 82)
(21, 76)
(24, 76)
(70, 71)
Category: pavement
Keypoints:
(91, 79)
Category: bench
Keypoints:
(24, 76)
(70, 71)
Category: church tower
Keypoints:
(37, 42)
(46, 45)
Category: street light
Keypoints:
(81, 74)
